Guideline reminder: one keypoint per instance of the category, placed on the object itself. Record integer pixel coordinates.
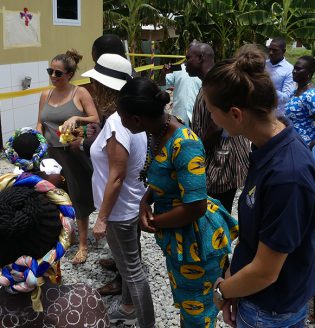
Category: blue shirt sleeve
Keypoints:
(189, 163)
(288, 87)
(170, 80)
(288, 210)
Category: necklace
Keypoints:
(305, 85)
(151, 153)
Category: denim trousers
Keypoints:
(122, 239)
(250, 315)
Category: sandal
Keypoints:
(113, 287)
(81, 256)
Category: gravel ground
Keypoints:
(92, 273)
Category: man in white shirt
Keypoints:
(280, 72)
(186, 89)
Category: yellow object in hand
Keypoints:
(66, 137)
(69, 135)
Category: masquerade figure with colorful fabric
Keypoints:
(193, 230)
(69, 106)
(27, 151)
(32, 148)
(36, 221)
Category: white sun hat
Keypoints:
(111, 70)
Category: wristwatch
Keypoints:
(218, 292)
(81, 144)
(218, 298)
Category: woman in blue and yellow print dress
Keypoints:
(193, 230)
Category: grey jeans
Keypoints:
(122, 240)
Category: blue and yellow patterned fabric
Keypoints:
(191, 286)
(195, 254)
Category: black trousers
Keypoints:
(226, 198)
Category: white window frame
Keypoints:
(62, 21)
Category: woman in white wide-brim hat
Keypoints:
(117, 157)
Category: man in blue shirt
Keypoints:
(185, 91)
(280, 72)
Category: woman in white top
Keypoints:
(117, 157)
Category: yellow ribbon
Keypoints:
(155, 55)
(54, 273)
(155, 67)
(7, 180)
(58, 197)
(22, 93)
(36, 294)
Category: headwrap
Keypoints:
(26, 273)
(22, 163)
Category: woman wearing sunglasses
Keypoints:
(69, 106)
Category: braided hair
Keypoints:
(28, 224)
(32, 213)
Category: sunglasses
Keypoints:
(57, 72)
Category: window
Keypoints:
(67, 12)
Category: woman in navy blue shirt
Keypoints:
(272, 272)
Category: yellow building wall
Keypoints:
(56, 39)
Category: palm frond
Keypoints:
(305, 4)
(255, 17)
(305, 33)
(217, 7)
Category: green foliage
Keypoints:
(292, 54)
(127, 16)
(225, 24)
(293, 19)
